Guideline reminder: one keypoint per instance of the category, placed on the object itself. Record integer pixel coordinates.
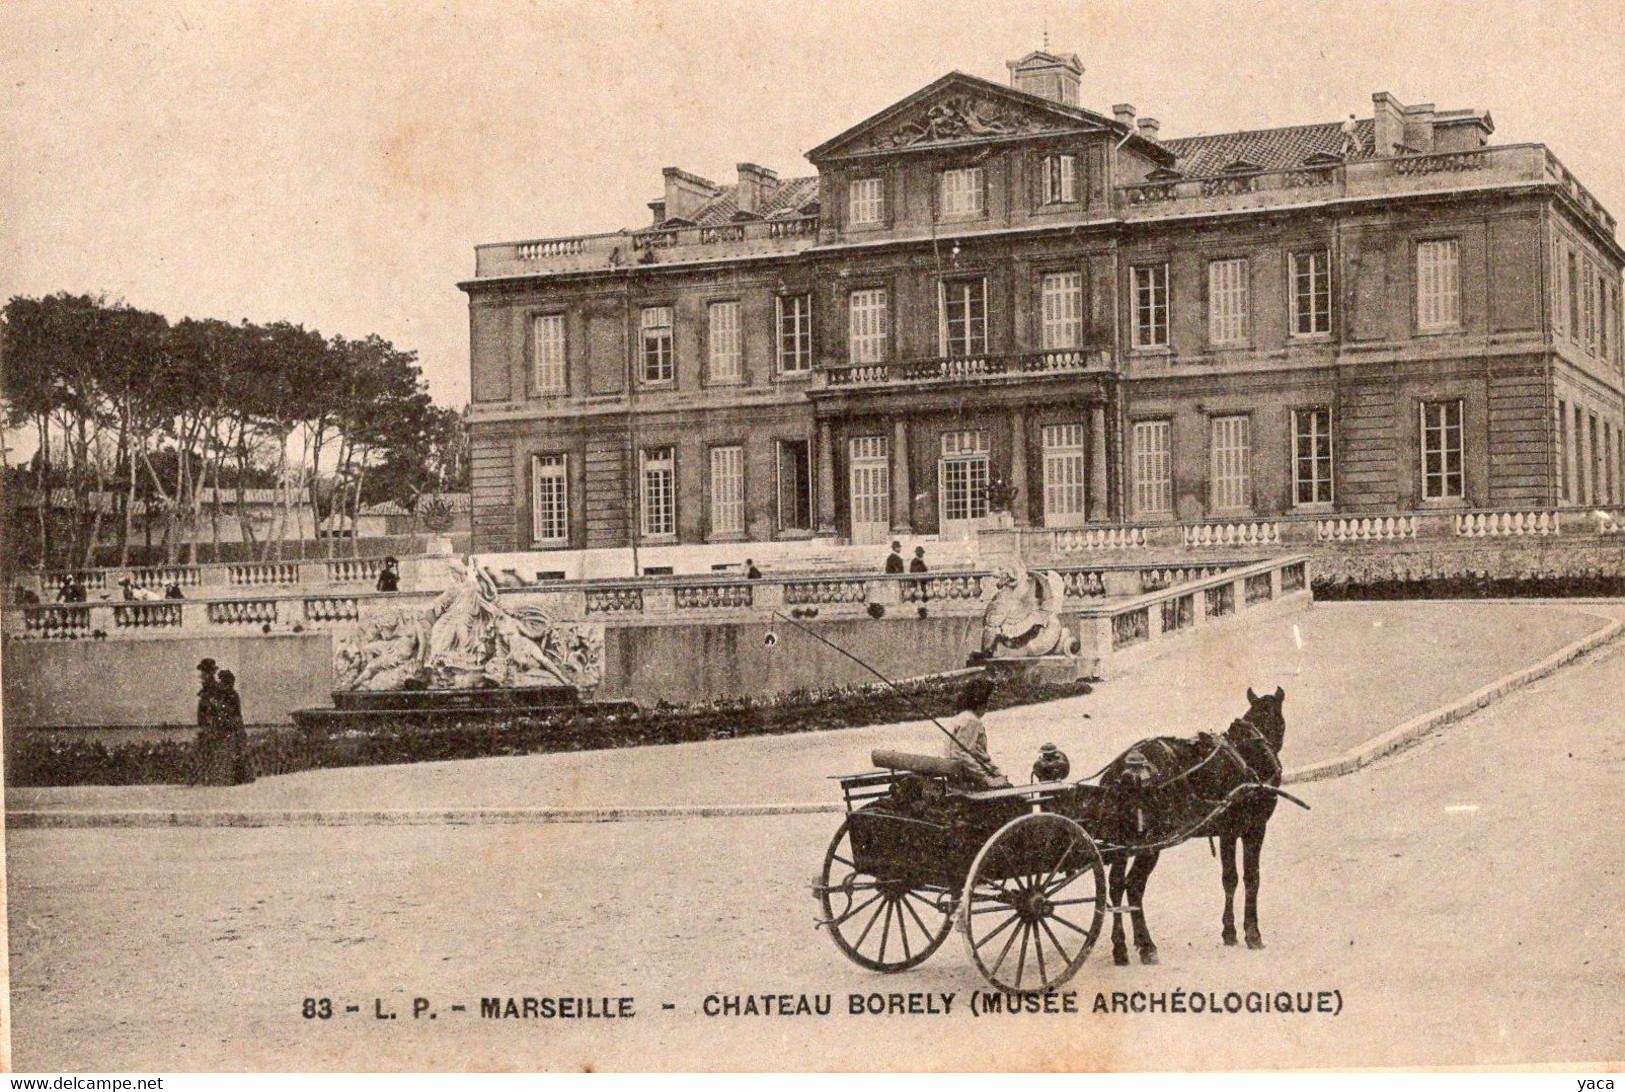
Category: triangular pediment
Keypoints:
(961, 109)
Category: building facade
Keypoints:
(989, 299)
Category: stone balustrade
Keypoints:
(1114, 633)
(1499, 165)
(232, 580)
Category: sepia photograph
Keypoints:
(694, 536)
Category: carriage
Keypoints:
(1020, 870)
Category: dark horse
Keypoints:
(1163, 791)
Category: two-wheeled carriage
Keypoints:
(1020, 870)
(915, 855)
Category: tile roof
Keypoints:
(789, 196)
(1271, 149)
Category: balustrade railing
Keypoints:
(1502, 524)
(711, 596)
(242, 612)
(1077, 540)
(801, 593)
(950, 586)
(1365, 528)
(257, 573)
(614, 600)
(1084, 583)
(354, 570)
(147, 615)
(64, 622)
(1233, 533)
(958, 368)
(332, 608)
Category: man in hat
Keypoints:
(389, 577)
(208, 721)
(894, 560)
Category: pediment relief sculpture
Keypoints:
(963, 117)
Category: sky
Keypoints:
(334, 163)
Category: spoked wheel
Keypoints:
(881, 923)
(1034, 903)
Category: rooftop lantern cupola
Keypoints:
(1053, 76)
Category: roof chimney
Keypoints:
(1149, 127)
(755, 185)
(686, 193)
(1124, 113)
(1053, 76)
(1389, 115)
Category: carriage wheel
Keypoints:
(1034, 903)
(883, 924)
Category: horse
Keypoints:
(1166, 790)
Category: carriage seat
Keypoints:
(933, 765)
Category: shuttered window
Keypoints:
(547, 352)
(1227, 301)
(1061, 304)
(724, 339)
(1066, 474)
(867, 326)
(1231, 462)
(1438, 284)
(727, 490)
(1153, 468)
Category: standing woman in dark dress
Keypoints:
(233, 759)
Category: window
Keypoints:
(1312, 456)
(867, 327)
(795, 334)
(1603, 319)
(1593, 290)
(1311, 293)
(1060, 179)
(1231, 458)
(964, 317)
(866, 201)
(727, 490)
(1061, 296)
(1065, 476)
(1153, 468)
(1594, 475)
(1438, 284)
(1565, 457)
(964, 475)
(1571, 291)
(550, 500)
(1150, 306)
(659, 492)
(1560, 307)
(870, 489)
(1579, 435)
(657, 355)
(547, 353)
(724, 342)
(962, 192)
(1227, 301)
(795, 486)
(1441, 451)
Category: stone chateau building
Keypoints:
(991, 298)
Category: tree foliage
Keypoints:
(136, 419)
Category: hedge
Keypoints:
(40, 760)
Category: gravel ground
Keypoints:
(1463, 898)
(1347, 679)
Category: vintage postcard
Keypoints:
(661, 535)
